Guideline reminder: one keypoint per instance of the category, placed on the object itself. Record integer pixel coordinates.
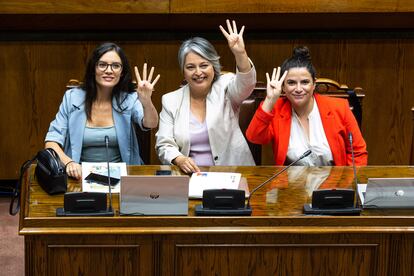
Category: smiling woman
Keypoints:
(199, 123)
(305, 121)
(105, 106)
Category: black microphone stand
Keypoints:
(234, 198)
(306, 153)
(109, 175)
(351, 140)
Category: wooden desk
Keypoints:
(277, 240)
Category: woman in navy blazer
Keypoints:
(105, 105)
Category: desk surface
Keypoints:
(279, 203)
(276, 240)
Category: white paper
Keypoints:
(116, 170)
(361, 191)
(212, 180)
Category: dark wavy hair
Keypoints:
(89, 81)
(300, 58)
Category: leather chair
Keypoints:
(324, 86)
(355, 96)
(247, 110)
(144, 137)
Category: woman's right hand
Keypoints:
(273, 88)
(186, 164)
(74, 170)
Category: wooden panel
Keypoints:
(35, 74)
(88, 255)
(201, 6)
(80, 6)
(275, 255)
(90, 259)
(208, 21)
(403, 244)
(275, 259)
(286, 6)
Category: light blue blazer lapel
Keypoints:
(123, 132)
(77, 123)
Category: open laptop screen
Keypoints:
(389, 193)
(154, 195)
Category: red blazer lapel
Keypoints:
(284, 131)
(331, 128)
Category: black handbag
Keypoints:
(50, 173)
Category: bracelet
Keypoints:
(69, 163)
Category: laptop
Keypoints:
(389, 193)
(161, 195)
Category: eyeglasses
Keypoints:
(103, 66)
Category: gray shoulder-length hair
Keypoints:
(203, 48)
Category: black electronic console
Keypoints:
(77, 204)
(332, 202)
(340, 202)
(223, 202)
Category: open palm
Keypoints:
(145, 85)
(234, 38)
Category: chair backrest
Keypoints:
(247, 110)
(324, 86)
(412, 139)
(355, 96)
(143, 137)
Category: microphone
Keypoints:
(353, 157)
(335, 201)
(228, 202)
(305, 154)
(351, 140)
(109, 174)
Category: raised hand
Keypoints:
(145, 85)
(273, 88)
(234, 38)
(274, 84)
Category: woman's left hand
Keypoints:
(145, 85)
(234, 38)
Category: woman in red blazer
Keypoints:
(304, 120)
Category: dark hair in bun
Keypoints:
(300, 58)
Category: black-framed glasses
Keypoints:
(103, 66)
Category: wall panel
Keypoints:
(35, 74)
(359, 43)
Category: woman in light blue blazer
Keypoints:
(199, 123)
(104, 107)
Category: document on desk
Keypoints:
(362, 188)
(212, 180)
(95, 175)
